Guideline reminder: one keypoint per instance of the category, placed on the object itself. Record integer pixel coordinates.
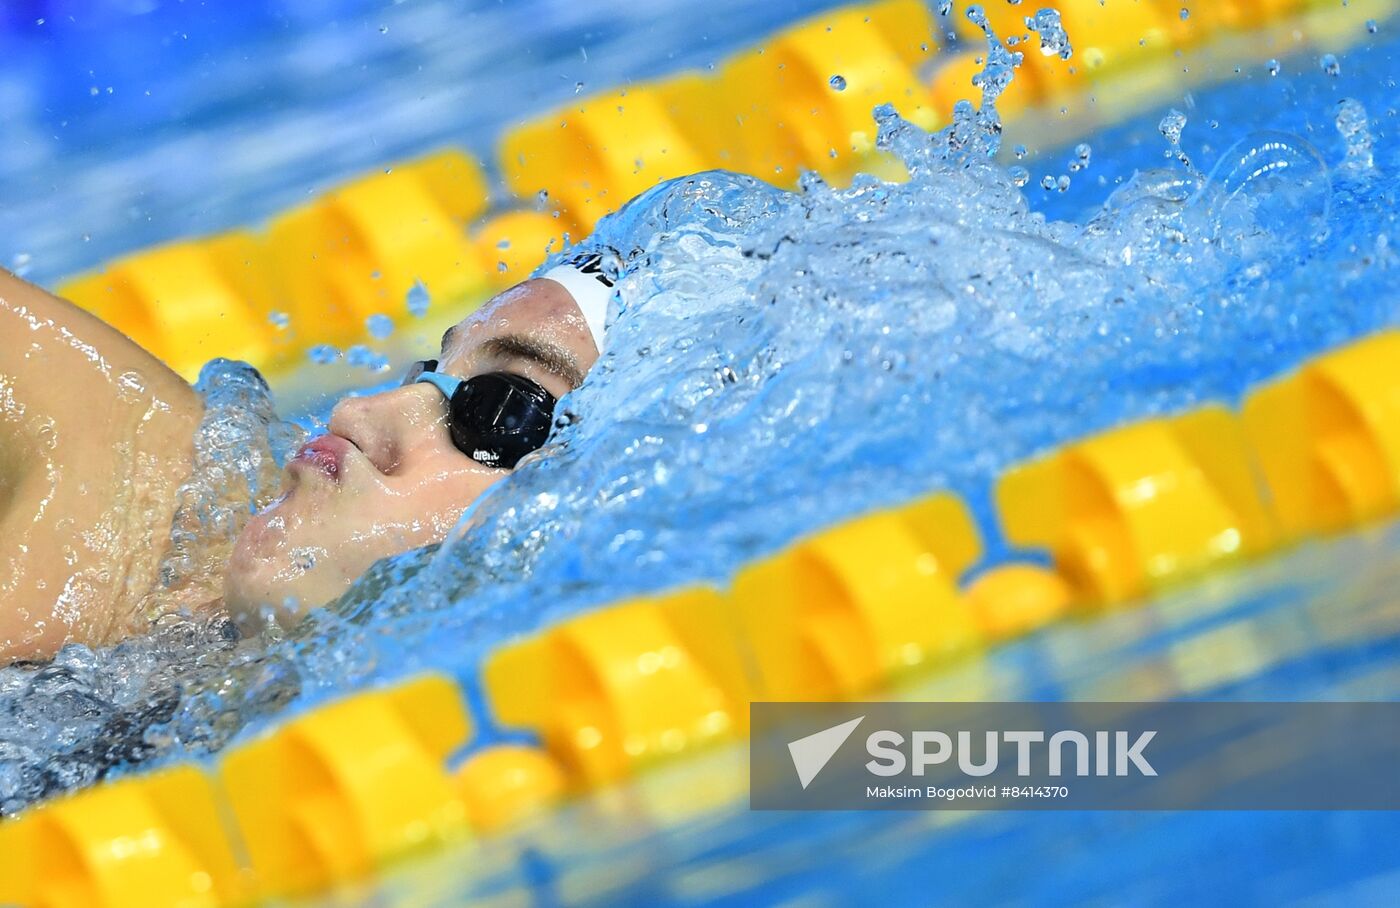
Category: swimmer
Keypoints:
(96, 436)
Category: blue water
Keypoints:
(781, 361)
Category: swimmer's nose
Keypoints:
(386, 425)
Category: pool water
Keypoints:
(1317, 624)
(782, 361)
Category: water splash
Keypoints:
(1054, 40)
(1355, 129)
(70, 722)
(1270, 188)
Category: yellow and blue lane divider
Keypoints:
(348, 787)
(800, 99)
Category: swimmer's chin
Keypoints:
(259, 585)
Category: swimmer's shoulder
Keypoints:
(95, 437)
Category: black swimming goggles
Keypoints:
(495, 419)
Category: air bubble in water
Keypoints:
(417, 300)
(323, 354)
(1268, 186)
(1047, 182)
(1372, 26)
(1329, 65)
(1020, 176)
(838, 82)
(279, 320)
(1185, 14)
(1273, 67)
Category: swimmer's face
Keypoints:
(388, 478)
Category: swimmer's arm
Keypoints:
(95, 437)
(67, 362)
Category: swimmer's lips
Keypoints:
(326, 454)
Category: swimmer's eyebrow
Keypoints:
(546, 355)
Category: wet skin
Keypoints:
(96, 436)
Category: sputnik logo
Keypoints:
(811, 754)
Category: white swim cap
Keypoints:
(591, 290)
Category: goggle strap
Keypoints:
(447, 384)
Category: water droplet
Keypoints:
(380, 326)
(1330, 65)
(384, 29)
(837, 82)
(1020, 151)
(502, 267)
(1355, 129)
(20, 262)
(279, 320)
(1047, 182)
(1020, 176)
(578, 87)
(1372, 26)
(1054, 42)
(417, 300)
(323, 354)
(363, 357)
(1171, 126)
(1083, 154)
(1273, 67)
(1185, 14)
